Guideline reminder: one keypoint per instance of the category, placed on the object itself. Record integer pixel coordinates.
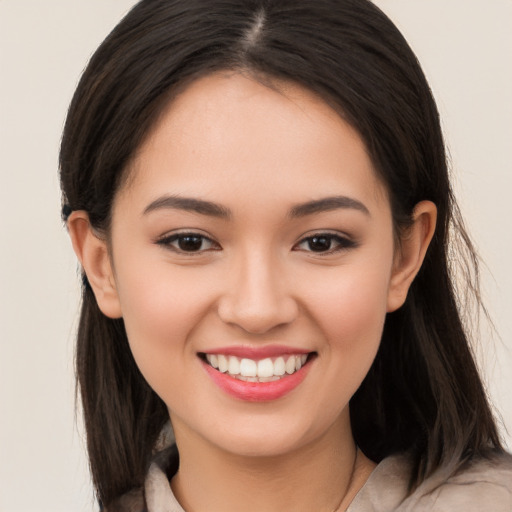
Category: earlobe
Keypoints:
(411, 253)
(92, 252)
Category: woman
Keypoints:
(258, 194)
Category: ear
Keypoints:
(411, 253)
(92, 251)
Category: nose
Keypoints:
(257, 298)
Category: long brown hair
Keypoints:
(423, 394)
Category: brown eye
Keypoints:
(324, 243)
(320, 243)
(188, 243)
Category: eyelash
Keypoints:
(342, 243)
(167, 241)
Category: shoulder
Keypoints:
(156, 494)
(132, 501)
(481, 485)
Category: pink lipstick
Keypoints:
(257, 374)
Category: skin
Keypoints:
(257, 153)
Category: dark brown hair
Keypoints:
(423, 394)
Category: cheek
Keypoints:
(350, 310)
(161, 309)
(351, 302)
(358, 309)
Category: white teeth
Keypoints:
(290, 365)
(279, 366)
(248, 368)
(257, 379)
(233, 366)
(223, 363)
(264, 370)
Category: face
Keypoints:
(252, 255)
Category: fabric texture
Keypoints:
(484, 486)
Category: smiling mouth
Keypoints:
(269, 369)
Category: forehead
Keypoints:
(228, 128)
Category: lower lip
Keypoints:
(257, 391)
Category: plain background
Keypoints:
(465, 47)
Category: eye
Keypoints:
(188, 243)
(324, 243)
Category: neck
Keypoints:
(323, 476)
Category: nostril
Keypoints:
(257, 317)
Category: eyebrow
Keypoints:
(212, 209)
(327, 204)
(189, 204)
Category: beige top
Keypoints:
(483, 487)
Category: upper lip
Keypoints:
(256, 353)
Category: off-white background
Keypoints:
(465, 47)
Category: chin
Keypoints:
(268, 447)
(267, 437)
